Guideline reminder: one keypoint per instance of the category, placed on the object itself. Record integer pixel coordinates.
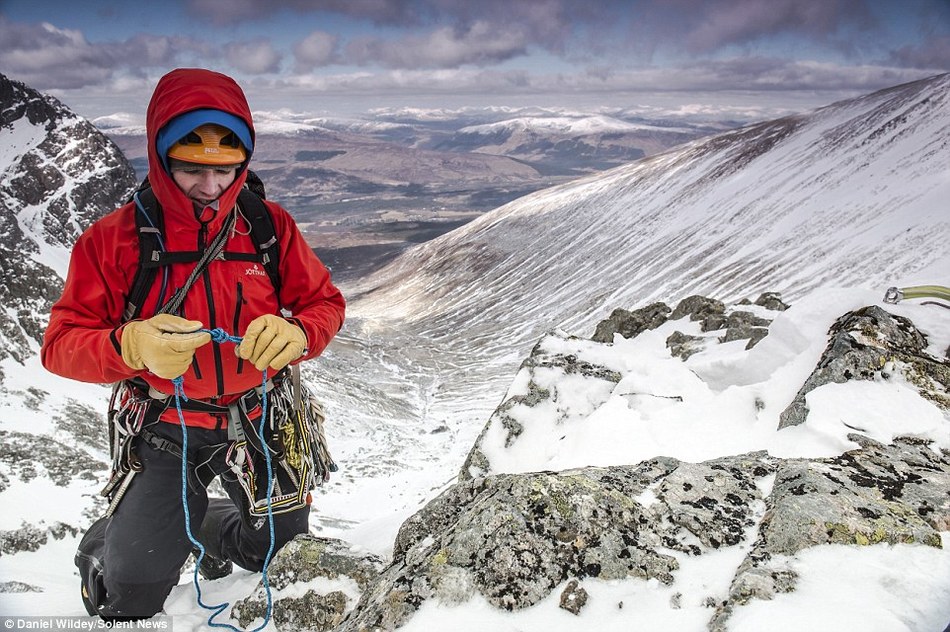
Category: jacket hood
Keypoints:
(186, 90)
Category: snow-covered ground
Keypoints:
(702, 408)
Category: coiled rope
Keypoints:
(219, 336)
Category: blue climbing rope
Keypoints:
(219, 335)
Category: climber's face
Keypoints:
(204, 183)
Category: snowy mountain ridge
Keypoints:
(57, 174)
(852, 194)
(575, 126)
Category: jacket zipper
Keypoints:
(209, 297)
(237, 320)
(194, 359)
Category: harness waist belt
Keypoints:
(203, 406)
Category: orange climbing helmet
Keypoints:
(209, 144)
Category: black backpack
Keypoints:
(150, 225)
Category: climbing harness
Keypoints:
(288, 443)
(294, 434)
(895, 295)
(219, 336)
(293, 451)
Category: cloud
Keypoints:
(254, 57)
(223, 12)
(42, 56)
(741, 21)
(746, 76)
(47, 57)
(546, 23)
(316, 50)
(700, 27)
(479, 44)
(934, 53)
(457, 47)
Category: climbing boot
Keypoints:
(88, 560)
(212, 567)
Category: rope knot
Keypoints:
(179, 384)
(219, 335)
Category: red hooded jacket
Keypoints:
(83, 340)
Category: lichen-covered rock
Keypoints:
(85, 425)
(713, 315)
(25, 456)
(862, 343)
(31, 537)
(715, 500)
(573, 597)
(18, 587)
(683, 345)
(631, 324)
(753, 334)
(772, 301)
(513, 538)
(741, 325)
(897, 493)
(336, 575)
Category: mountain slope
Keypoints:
(850, 194)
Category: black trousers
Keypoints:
(135, 557)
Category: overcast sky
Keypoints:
(346, 56)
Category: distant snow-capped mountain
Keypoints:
(57, 174)
(575, 126)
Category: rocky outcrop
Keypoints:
(712, 315)
(870, 344)
(631, 324)
(26, 456)
(538, 391)
(890, 494)
(31, 537)
(514, 539)
(315, 583)
(58, 174)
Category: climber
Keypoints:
(278, 296)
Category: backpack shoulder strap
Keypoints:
(263, 234)
(150, 228)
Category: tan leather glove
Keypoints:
(165, 344)
(272, 341)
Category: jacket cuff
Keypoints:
(114, 339)
(300, 325)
